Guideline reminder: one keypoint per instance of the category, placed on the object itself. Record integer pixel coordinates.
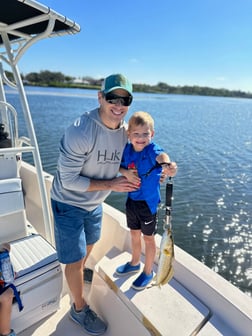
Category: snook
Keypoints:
(166, 256)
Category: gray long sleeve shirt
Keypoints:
(88, 150)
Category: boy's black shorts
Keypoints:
(139, 217)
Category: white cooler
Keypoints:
(38, 280)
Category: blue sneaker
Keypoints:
(88, 320)
(142, 281)
(12, 333)
(127, 268)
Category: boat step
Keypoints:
(166, 310)
(210, 330)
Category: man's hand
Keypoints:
(121, 184)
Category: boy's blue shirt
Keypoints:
(149, 190)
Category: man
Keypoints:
(90, 155)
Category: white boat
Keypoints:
(197, 301)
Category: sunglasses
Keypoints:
(115, 99)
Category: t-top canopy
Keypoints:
(23, 21)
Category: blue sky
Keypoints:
(179, 42)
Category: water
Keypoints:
(211, 141)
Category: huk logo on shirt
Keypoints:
(107, 156)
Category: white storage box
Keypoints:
(39, 280)
(8, 165)
(12, 214)
(11, 196)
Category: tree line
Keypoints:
(58, 79)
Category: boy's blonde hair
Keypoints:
(141, 118)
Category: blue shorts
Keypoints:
(74, 229)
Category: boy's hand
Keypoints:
(169, 169)
(4, 246)
(132, 176)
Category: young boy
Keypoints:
(6, 298)
(142, 164)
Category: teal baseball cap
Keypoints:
(116, 81)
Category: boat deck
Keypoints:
(130, 312)
(155, 308)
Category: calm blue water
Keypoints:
(211, 141)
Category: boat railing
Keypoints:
(17, 33)
(17, 146)
(12, 127)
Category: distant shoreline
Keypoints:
(183, 90)
(48, 78)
